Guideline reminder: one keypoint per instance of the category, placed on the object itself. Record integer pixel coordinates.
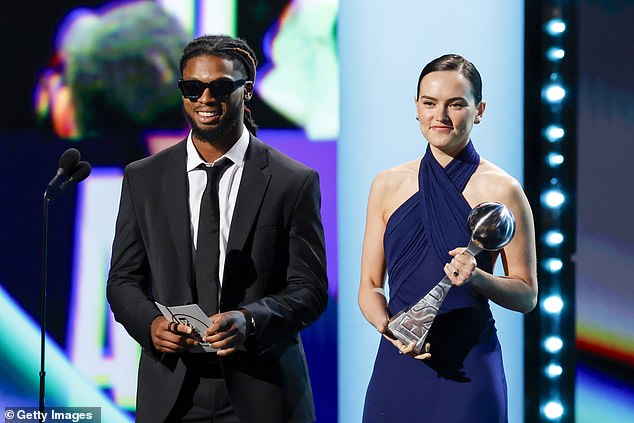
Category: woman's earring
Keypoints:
(417, 118)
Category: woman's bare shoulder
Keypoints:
(492, 183)
(392, 187)
(395, 177)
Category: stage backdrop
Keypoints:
(605, 205)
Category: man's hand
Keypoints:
(227, 332)
(170, 337)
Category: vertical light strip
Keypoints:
(107, 362)
(382, 48)
(551, 157)
(557, 212)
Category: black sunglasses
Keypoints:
(220, 88)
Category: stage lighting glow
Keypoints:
(553, 344)
(554, 93)
(554, 133)
(314, 106)
(554, 238)
(553, 410)
(556, 190)
(553, 198)
(554, 265)
(554, 159)
(555, 26)
(555, 53)
(553, 370)
(553, 304)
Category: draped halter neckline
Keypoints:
(433, 220)
(441, 193)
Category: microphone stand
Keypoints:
(79, 170)
(43, 301)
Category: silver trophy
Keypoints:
(492, 227)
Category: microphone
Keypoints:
(77, 171)
(80, 172)
(68, 161)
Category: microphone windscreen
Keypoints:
(81, 172)
(69, 159)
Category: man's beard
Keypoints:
(210, 135)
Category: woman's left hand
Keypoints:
(462, 267)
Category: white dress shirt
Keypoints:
(227, 190)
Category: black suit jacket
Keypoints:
(275, 267)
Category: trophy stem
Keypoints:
(473, 249)
(413, 324)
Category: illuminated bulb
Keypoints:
(553, 344)
(554, 93)
(554, 159)
(554, 265)
(553, 198)
(553, 304)
(555, 26)
(553, 410)
(555, 53)
(553, 370)
(554, 238)
(554, 133)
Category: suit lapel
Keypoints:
(174, 201)
(255, 180)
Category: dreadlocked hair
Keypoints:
(234, 49)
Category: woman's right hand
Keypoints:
(409, 349)
(382, 325)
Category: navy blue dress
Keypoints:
(464, 379)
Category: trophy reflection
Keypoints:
(492, 227)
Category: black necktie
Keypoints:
(208, 245)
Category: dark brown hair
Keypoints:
(455, 63)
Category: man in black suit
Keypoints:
(264, 280)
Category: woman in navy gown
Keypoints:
(416, 231)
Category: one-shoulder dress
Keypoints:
(463, 381)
